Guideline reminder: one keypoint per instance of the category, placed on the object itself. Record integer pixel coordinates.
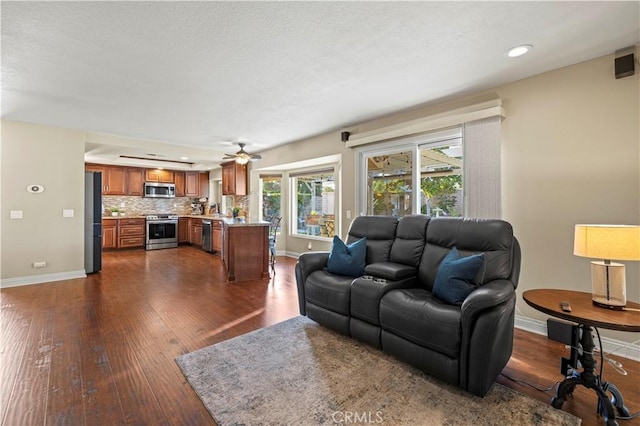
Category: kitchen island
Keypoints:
(244, 246)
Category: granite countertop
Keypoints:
(229, 221)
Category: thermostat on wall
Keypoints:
(35, 189)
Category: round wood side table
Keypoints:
(587, 317)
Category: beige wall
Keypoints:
(570, 154)
(322, 146)
(53, 157)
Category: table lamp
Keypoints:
(606, 242)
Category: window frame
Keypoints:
(292, 175)
(411, 143)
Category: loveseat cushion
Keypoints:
(410, 237)
(390, 271)
(419, 317)
(329, 291)
(380, 232)
(492, 237)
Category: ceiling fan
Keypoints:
(242, 156)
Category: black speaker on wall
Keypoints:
(625, 66)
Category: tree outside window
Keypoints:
(390, 180)
(271, 196)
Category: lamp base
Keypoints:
(604, 305)
(608, 285)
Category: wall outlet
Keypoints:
(39, 264)
(309, 246)
(348, 214)
(15, 214)
(67, 213)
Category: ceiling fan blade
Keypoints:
(255, 157)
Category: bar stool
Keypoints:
(273, 232)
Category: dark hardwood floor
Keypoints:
(101, 350)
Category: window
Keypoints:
(417, 175)
(389, 184)
(456, 171)
(441, 183)
(271, 196)
(313, 204)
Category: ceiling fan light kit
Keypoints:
(242, 156)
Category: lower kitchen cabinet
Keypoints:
(216, 236)
(131, 233)
(195, 231)
(109, 234)
(183, 230)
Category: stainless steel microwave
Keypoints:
(159, 190)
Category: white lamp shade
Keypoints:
(620, 242)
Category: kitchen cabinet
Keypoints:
(94, 168)
(135, 181)
(234, 178)
(183, 230)
(204, 184)
(195, 231)
(157, 175)
(179, 178)
(192, 184)
(216, 236)
(116, 181)
(131, 233)
(109, 234)
(114, 178)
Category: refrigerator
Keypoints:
(92, 222)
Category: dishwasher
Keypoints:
(206, 235)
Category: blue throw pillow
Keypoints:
(456, 277)
(348, 260)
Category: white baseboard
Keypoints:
(621, 348)
(43, 278)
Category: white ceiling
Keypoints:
(197, 75)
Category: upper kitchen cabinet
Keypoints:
(135, 181)
(204, 184)
(191, 184)
(114, 178)
(180, 183)
(156, 175)
(234, 178)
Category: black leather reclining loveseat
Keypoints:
(391, 306)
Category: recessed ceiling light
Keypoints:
(516, 51)
(184, 158)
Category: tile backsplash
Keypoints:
(140, 206)
(136, 206)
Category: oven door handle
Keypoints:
(163, 221)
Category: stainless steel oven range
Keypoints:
(162, 231)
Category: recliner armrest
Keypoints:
(313, 261)
(390, 271)
(486, 296)
(307, 263)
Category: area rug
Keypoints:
(300, 373)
